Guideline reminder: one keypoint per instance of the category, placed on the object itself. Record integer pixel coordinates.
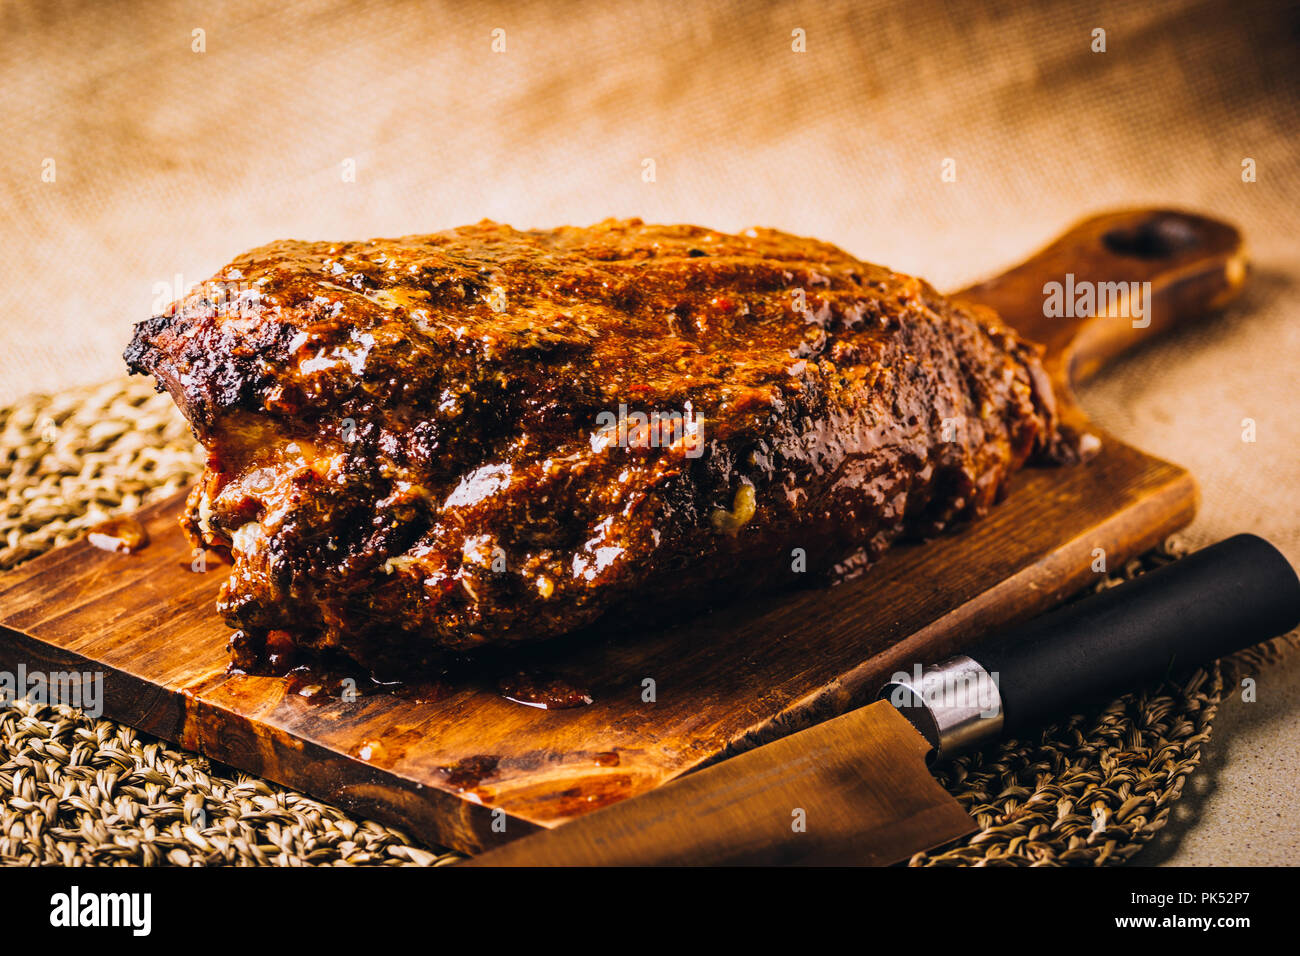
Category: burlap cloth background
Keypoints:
(168, 161)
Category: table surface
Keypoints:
(136, 163)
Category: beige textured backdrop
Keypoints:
(169, 162)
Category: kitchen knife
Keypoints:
(856, 789)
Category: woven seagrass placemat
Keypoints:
(1092, 790)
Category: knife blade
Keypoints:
(854, 789)
(857, 789)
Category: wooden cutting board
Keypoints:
(471, 768)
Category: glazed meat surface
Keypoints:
(487, 436)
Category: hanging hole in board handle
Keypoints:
(1160, 237)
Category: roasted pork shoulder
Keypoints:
(488, 436)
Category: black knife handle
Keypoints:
(1220, 599)
(1223, 598)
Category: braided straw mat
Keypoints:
(79, 791)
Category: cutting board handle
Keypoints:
(1084, 297)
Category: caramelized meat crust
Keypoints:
(488, 436)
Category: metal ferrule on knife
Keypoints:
(955, 704)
